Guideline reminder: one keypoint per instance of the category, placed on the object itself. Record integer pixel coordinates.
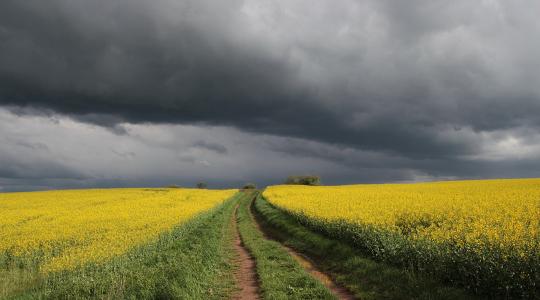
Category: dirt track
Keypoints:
(246, 275)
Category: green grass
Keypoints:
(280, 275)
(365, 278)
(193, 261)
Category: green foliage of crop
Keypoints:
(479, 272)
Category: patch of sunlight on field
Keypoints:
(60, 230)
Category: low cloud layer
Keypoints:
(379, 90)
(65, 153)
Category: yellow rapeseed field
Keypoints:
(477, 213)
(480, 234)
(70, 228)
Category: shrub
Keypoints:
(202, 185)
(249, 186)
(303, 180)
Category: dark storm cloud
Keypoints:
(413, 84)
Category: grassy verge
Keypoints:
(366, 278)
(280, 276)
(190, 262)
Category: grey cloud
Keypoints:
(33, 146)
(14, 169)
(216, 147)
(370, 74)
(194, 160)
(415, 86)
(126, 154)
(81, 156)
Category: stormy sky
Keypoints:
(106, 93)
